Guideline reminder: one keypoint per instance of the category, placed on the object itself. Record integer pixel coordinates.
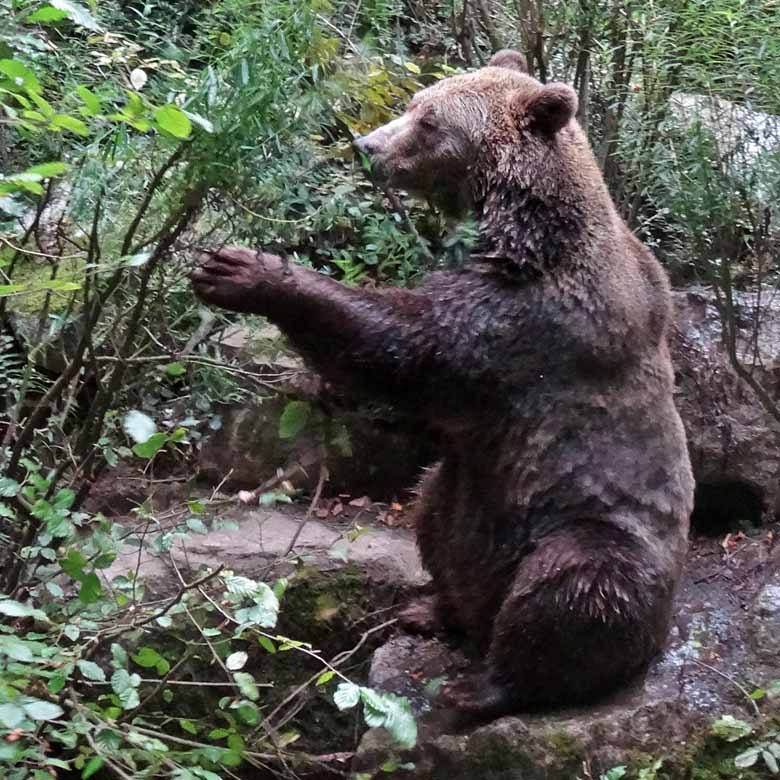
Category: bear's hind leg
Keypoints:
(584, 615)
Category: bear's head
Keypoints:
(453, 133)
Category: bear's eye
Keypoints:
(428, 122)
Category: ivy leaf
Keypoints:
(91, 671)
(196, 525)
(18, 649)
(118, 656)
(293, 419)
(347, 695)
(173, 120)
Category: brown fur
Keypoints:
(556, 524)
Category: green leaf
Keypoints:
(49, 169)
(247, 685)
(248, 713)
(188, 726)
(293, 419)
(236, 661)
(147, 657)
(16, 609)
(91, 767)
(347, 695)
(47, 14)
(124, 685)
(18, 649)
(731, 729)
(173, 120)
(91, 671)
(42, 710)
(73, 564)
(196, 525)
(90, 589)
(70, 123)
(11, 715)
(392, 712)
(9, 487)
(325, 677)
(20, 74)
(770, 761)
(175, 369)
(118, 656)
(90, 100)
(151, 446)
(747, 758)
(57, 682)
(267, 644)
(77, 14)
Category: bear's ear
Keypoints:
(551, 108)
(509, 58)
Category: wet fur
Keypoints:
(555, 526)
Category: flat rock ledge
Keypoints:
(725, 643)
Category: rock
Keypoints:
(765, 617)
(368, 454)
(743, 135)
(260, 538)
(732, 438)
(665, 717)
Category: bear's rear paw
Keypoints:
(421, 617)
(477, 697)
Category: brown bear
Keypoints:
(556, 524)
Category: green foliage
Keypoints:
(384, 710)
(134, 135)
(731, 729)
